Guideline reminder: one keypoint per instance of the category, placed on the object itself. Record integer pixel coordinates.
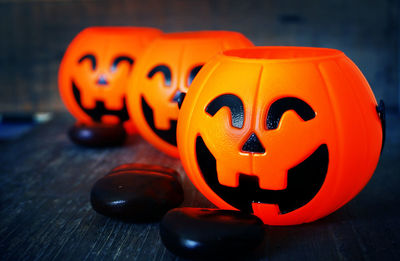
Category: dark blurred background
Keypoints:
(34, 35)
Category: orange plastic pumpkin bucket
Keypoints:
(94, 71)
(288, 133)
(165, 71)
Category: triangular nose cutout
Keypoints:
(176, 96)
(102, 80)
(253, 145)
(179, 97)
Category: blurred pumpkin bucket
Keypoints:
(95, 69)
(165, 72)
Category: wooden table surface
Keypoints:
(45, 213)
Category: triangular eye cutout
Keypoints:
(253, 145)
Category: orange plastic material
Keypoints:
(166, 70)
(345, 121)
(93, 74)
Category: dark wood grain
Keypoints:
(45, 214)
(34, 35)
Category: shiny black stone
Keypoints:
(97, 135)
(200, 233)
(137, 192)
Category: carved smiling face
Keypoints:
(262, 134)
(241, 189)
(167, 69)
(165, 125)
(94, 72)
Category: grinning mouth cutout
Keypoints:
(169, 135)
(100, 110)
(303, 182)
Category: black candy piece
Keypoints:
(200, 233)
(137, 192)
(97, 135)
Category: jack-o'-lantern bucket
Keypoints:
(94, 71)
(288, 133)
(166, 70)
